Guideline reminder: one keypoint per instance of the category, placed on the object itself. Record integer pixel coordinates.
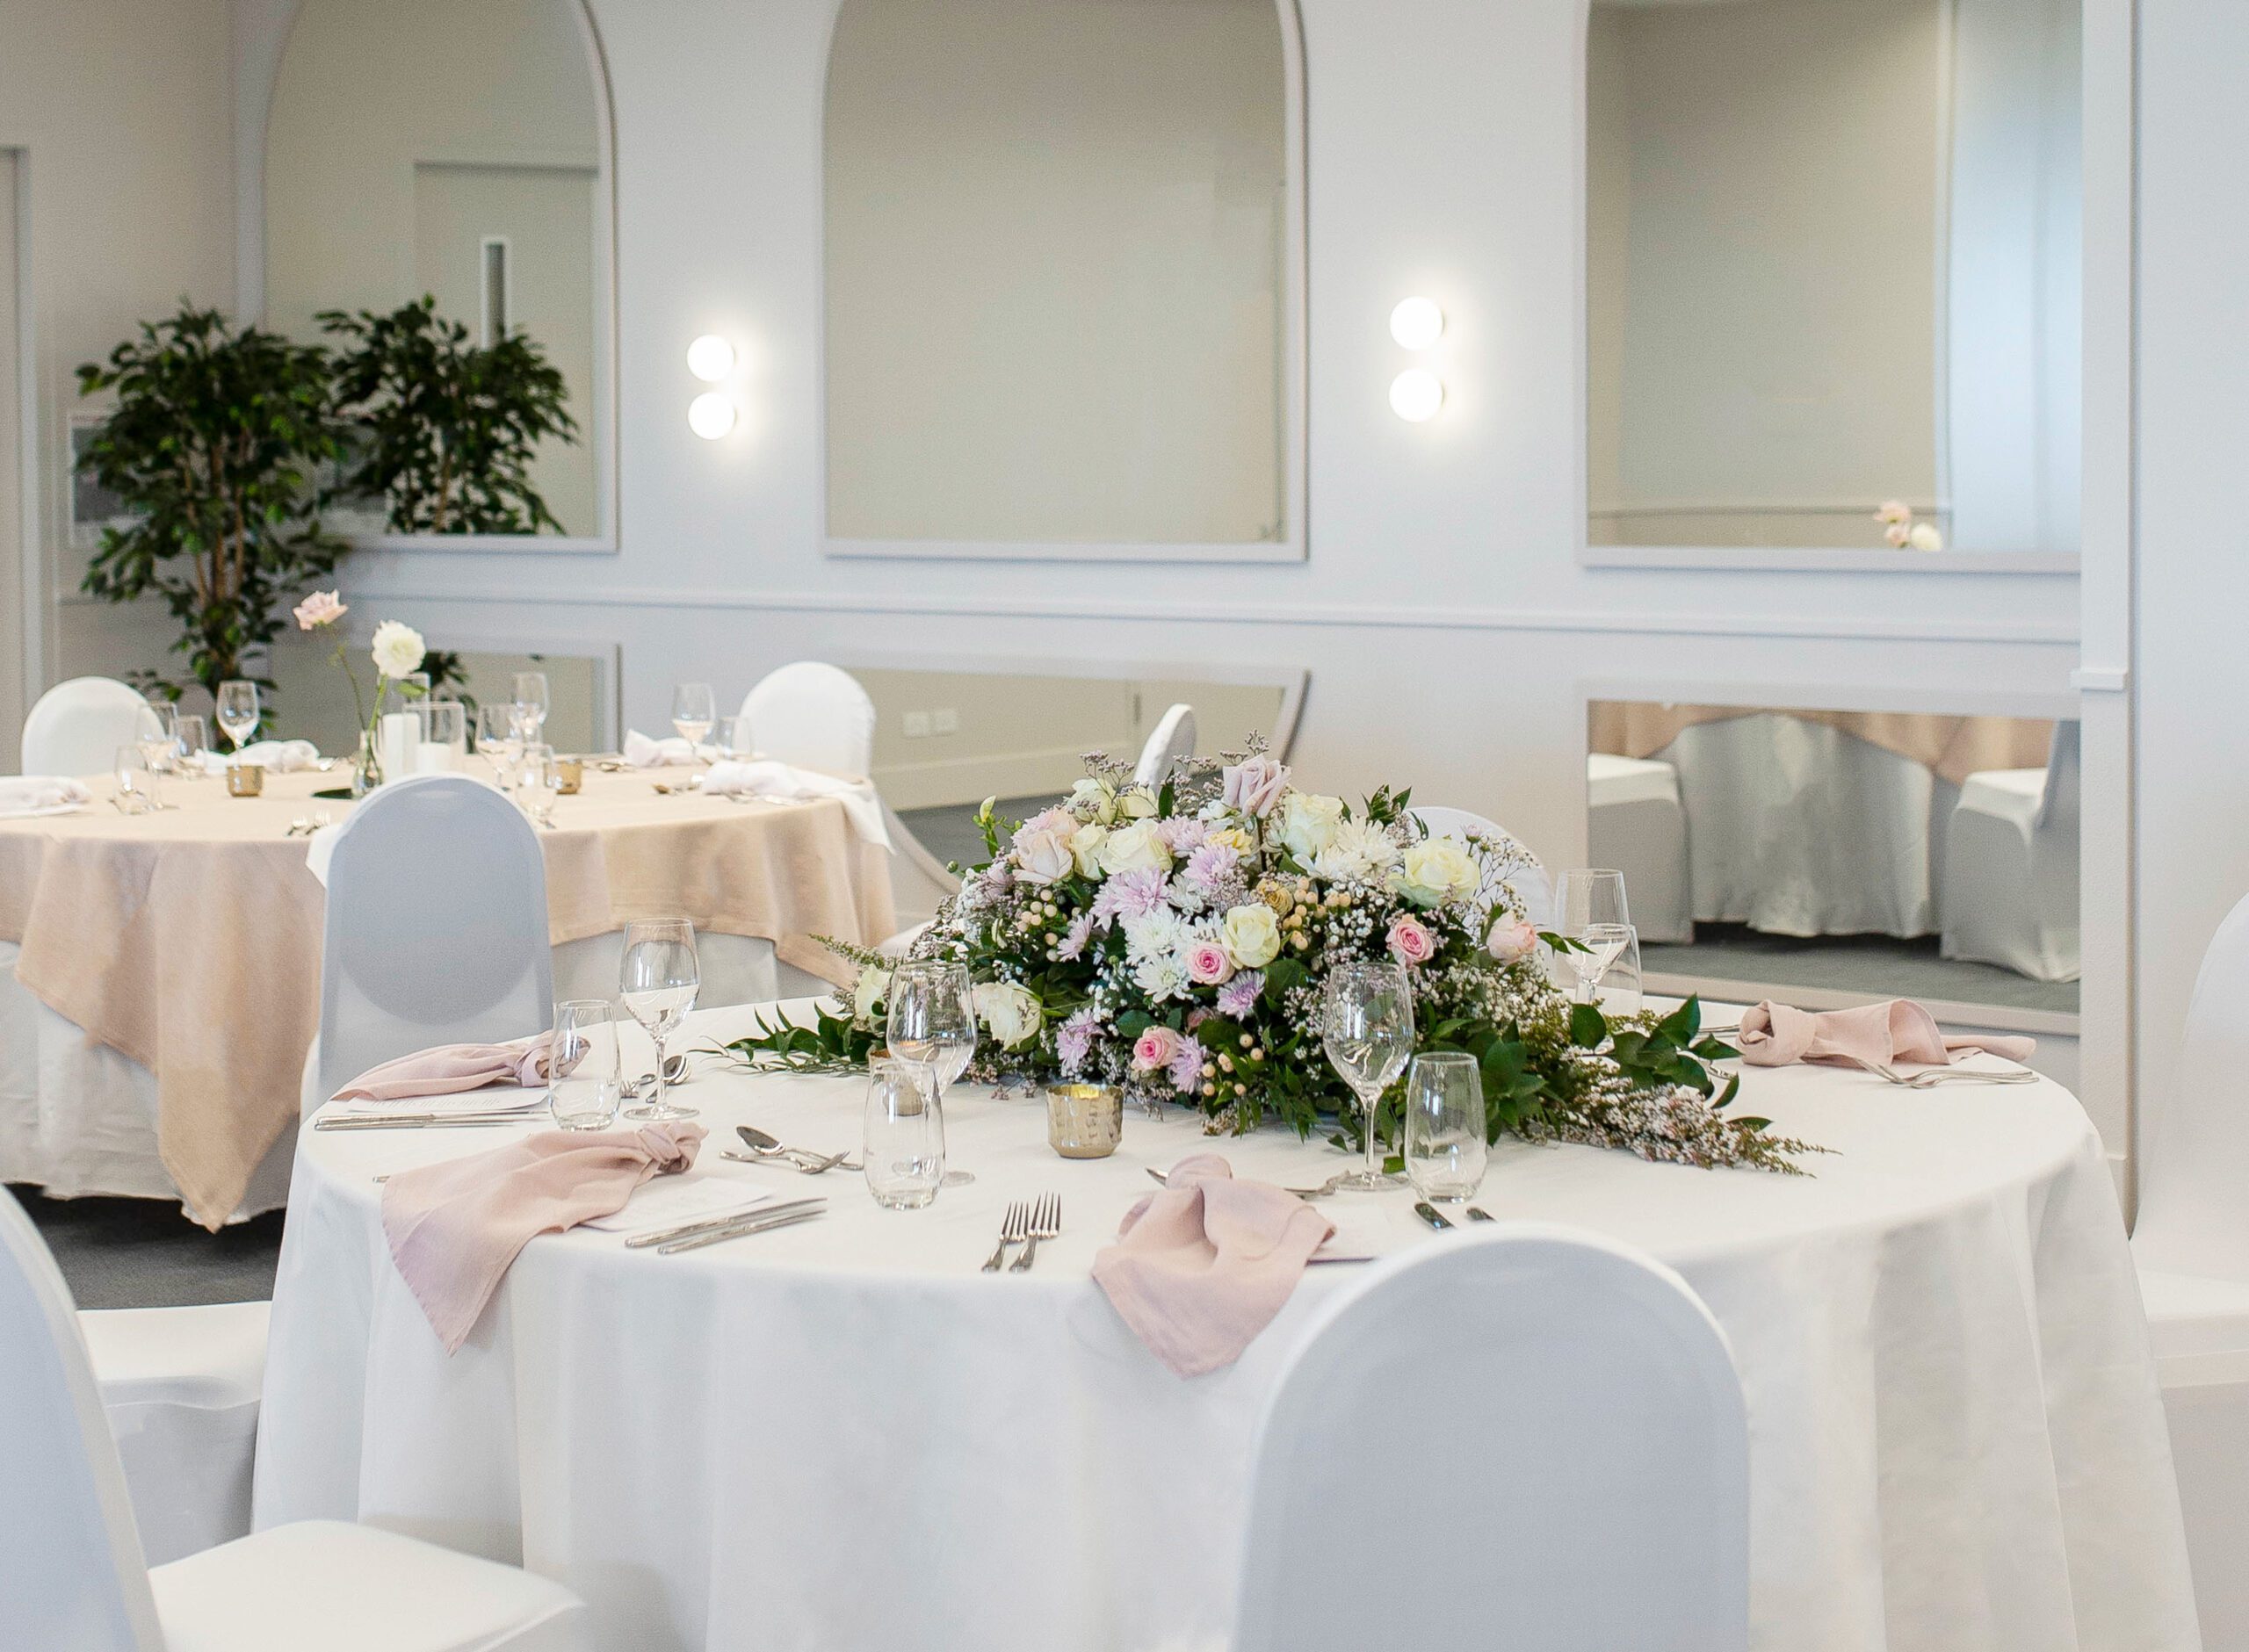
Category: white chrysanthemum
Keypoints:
(398, 649)
(1154, 935)
(1357, 849)
(1161, 977)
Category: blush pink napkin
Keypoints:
(1773, 1034)
(449, 1069)
(455, 1228)
(1200, 1268)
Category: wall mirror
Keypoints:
(1823, 857)
(1064, 287)
(1832, 263)
(420, 147)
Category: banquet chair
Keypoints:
(1635, 822)
(1605, 1509)
(436, 929)
(74, 1576)
(1170, 743)
(1530, 886)
(2191, 1243)
(2011, 867)
(76, 727)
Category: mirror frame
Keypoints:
(259, 78)
(1293, 545)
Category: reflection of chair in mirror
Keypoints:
(76, 727)
(2192, 1246)
(1530, 886)
(1635, 822)
(2011, 867)
(1171, 743)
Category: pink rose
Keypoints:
(1512, 939)
(1207, 963)
(321, 608)
(1155, 1049)
(1254, 785)
(1043, 857)
(1898, 533)
(1410, 941)
(1893, 510)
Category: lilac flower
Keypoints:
(1181, 832)
(1238, 997)
(1210, 863)
(1130, 895)
(1074, 1040)
(1075, 939)
(1186, 1068)
(1254, 784)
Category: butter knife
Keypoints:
(772, 1219)
(1430, 1214)
(688, 1230)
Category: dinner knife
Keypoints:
(780, 1219)
(422, 1121)
(1476, 1214)
(1430, 1214)
(688, 1230)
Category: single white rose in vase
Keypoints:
(398, 649)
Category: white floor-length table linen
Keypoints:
(842, 1435)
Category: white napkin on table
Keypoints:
(643, 752)
(276, 757)
(41, 794)
(767, 778)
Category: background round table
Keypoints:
(843, 1435)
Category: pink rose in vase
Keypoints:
(1411, 943)
(1155, 1049)
(1208, 964)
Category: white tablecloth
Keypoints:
(840, 1435)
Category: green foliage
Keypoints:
(832, 1043)
(448, 428)
(211, 445)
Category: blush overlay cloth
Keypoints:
(450, 1070)
(765, 777)
(1202, 1267)
(455, 1228)
(38, 793)
(1868, 1035)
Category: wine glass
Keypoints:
(583, 1074)
(1598, 947)
(1589, 895)
(1366, 1026)
(237, 710)
(931, 1026)
(1445, 1144)
(160, 736)
(658, 978)
(904, 1154)
(530, 705)
(694, 712)
(496, 742)
(191, 740)
(539, 783)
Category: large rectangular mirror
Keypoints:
(1831, 267)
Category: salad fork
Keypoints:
(1014, 1227)
(1936, 1076)
(1045, 1223)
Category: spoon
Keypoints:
(675, 1072)
(768, 1146)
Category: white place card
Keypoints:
(668, 1201)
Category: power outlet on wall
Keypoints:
(944, 720)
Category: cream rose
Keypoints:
(1136, 847)
(1437, 870)
(1095, 799)
(1923, 536)
(1136, 803)
(398, 649)
(1308, 823)
(868, 993)
(1512, 939)
(1044, 856)
(1238, 839)
(1012, 1012)
(1252, 935)
(1085, 844)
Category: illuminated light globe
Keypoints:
(1417, 323)
(711, 416)
(710, 358)
(1416, 395)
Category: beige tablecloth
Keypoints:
(189, 940)
(1954, 747)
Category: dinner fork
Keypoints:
(1936, 1076)
(1014, 1227)
(1045, 1223)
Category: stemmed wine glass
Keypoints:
(1589, 908)
(496, 741)
(694, 714)
(1366, 1026)
(932, 1027)
(658, 978)
(237, 710)
(530, 705)
(1600, 946)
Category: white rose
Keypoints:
(1308, 823)
(1923, 536)
(1136, 803)
(1094, 797)
(398, 649)
(1251, 936)
(1012, 1013)
(1134, 848)
(868, 993)
(1044, 857)
(1085, 845)
(1437, 870)
(1357, 849)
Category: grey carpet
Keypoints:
(144, 1253)
(1854, 963)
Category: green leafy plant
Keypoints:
(211, 445)
(445, 430)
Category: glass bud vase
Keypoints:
(366, 766)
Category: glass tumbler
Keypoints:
(584, 1086)
(1445, 1150)
(905, 1155)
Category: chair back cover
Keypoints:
(814, 716)
(76, 727)
(1170, 742)
(1530, 885)
(2058, 807)
(1523, 1437)
(2192, 1216)
(436, 926)
(71, 1573)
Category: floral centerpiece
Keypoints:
(1175, 941)
(398, 654)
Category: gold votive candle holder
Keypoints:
(573, 771)
(1084, 1121)
(246, 780)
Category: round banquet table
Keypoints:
(843, 1435)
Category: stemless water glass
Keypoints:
(1444, 1125)
(191, 740)
(694, 712)
(237, 710)
(159, 742)
(931, 1025)
(1366, 1026)
(1598, 946)
(539, 783)
(530, 705)
(496, 742)
(658, 978)
(734, 737)
(441, 733)
(905, 1150)
(137, 782)
(583, 1081)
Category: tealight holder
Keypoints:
(1084, 1121)
(574, 775)
(246, 780)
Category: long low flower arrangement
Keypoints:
(1174, 941)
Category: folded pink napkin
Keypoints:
(454, 1228)
(449, 1069)
(1200, 1268)
(1773, 1034)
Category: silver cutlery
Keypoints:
(809, 1165)
(768, 1147)
(425, 1120)
(675, 1072)
(1014, 1227)
(1477, 1215)
(1045, 1223)
(707, 1225)
(1431, 1214)
(756, 1224)
(1936, 1076)
(1320, 1192)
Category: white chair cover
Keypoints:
(180, 1386)
(1635, 822)
(76, 727)
(436, 926)
(1168, 743)
(73, 1578)
(2011, 866)
(1531, 887)
(1611, 1511)
(814, 716)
